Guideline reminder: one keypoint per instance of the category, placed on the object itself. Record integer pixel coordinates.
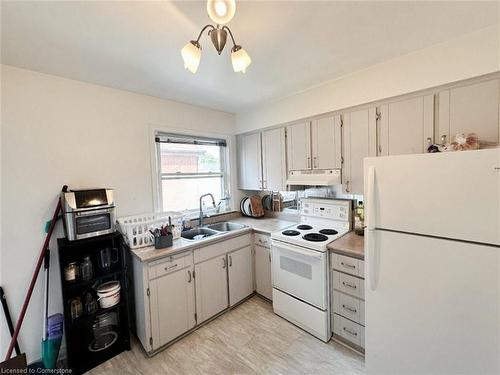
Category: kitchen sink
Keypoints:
(198, 233)
(225, 226)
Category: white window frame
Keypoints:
(226, 157)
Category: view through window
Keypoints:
(188, 168)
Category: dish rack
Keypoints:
(136, 228)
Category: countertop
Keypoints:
(350, 244)
(263, 225)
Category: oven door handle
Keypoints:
(297, 250)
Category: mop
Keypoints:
(52, 325)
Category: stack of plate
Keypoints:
(245, 208)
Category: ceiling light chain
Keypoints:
(221, 12)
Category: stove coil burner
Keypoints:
(314, 237)
(291, 233)
(304, 227)
(328, 232)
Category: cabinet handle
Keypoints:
(230, 261)
(429, 141)
(169, 268)
(443, 138)
(349, 285)
(349, 309)
(350, 332)
(264, 184)
(308, 162)
(224, 262)
(190, 277)
(348, 265)
(270, 256)
(347, 183)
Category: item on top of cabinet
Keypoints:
(245, 207)
(71, 272)
(86, 269)
(75, 307)
(137, 228)
(109, 294)
(256, 206)
(359, 219)
(461, 143)
(88, 213)
(277, 201)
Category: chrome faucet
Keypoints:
(201, 206)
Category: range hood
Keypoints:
(315, 177)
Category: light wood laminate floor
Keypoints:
(249, 339)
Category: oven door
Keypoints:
(301, 273)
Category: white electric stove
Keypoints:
(300, 264)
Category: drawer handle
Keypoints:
(170, 267)
(349, 285)
(350, 332)
(349, 309)
(190, 277)
(348, 265)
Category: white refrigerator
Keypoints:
(432, 251)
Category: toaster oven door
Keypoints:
(86, 224)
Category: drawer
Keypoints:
(222, 247)
(349, 284)
(170, 264)
(262, 240)
(349, 265)
(352, 332)
(349, 307)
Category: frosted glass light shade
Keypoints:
(191, 54)
(240, 60)
(221, 11)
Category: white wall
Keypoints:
(58, 131)
(467, 56)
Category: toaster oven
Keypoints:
(88, 213)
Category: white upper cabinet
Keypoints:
(470, 109)
(406, 126)
(299, 146)
(359, 141)
(250, 162)
(326, 143)
(240, 271)
(273, 159)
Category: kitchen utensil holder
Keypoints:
(162, 242)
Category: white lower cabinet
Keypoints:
(263, 282)
(348, 305)
(172, 306)
(240, 274)
(211, 287)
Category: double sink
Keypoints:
(197, 234)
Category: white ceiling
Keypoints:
(294, 45)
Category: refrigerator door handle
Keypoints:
(372, 258)
(370, 196)
(371, 246)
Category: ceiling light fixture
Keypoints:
(221, 12)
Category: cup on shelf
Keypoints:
(107, 257)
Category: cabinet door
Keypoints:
(250, 162)
(263, 271)
(211, 287)
(172, 306)
(325, 143)
(240, 274)
(406, 126)
(359, 141)
(273, 159)
(470, 109)
(298, 139)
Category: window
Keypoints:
(189, 167)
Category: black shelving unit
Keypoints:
(79, 331)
